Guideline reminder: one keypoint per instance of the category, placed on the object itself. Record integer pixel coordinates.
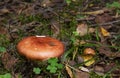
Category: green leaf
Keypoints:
(52, 69)
(54, 64)
(60, 66)
(116, 5)
(2, 49)
(75, 33)
(68, 1)
(49, 67)
(53, 60)
(7, 75)
(36, 70)
(113, 5)
(1, 76)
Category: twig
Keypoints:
(73, 68)
(105, 23)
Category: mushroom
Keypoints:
(88, 56)
(40, 47)
(89, 51)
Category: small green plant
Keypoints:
(7, 75)
(68, 1)
(2, 49)
(4, 41)
(115, 5)
(54, 66)
(36, 70)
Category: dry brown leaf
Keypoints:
(69, 71)
(109, 66)
(81, 74)
(8, 61)
(79, 59)
(3, 30)
(104, 32)
(98, 69)
(103, 68)
(91, 30)
(71, 62)
(104, 18)
(82, 29)
(82, 42)
(107, 52)
(4, 11)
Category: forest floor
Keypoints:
(81, 25)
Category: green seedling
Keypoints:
(54, 66)
(68, 1)
(2, 49)
(36, 70)
(7, 75)
(115, 5)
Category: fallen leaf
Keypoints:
(103, 68)
(82, 29)
(8, 61)
(83, 69)
(103, 18)
(79, 59)
(99, 69)
(107, 52)
(109, 67)
(104, 32)
(3, 30)
(4, 11)
(72, 62)
(82, 42)
(82, 74)
(88, 59)
(91, 30)
(69, 71)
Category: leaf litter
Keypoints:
(14, 22)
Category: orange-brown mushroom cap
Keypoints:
(89, 51)
(40, 48)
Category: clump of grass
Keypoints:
(4, 41)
